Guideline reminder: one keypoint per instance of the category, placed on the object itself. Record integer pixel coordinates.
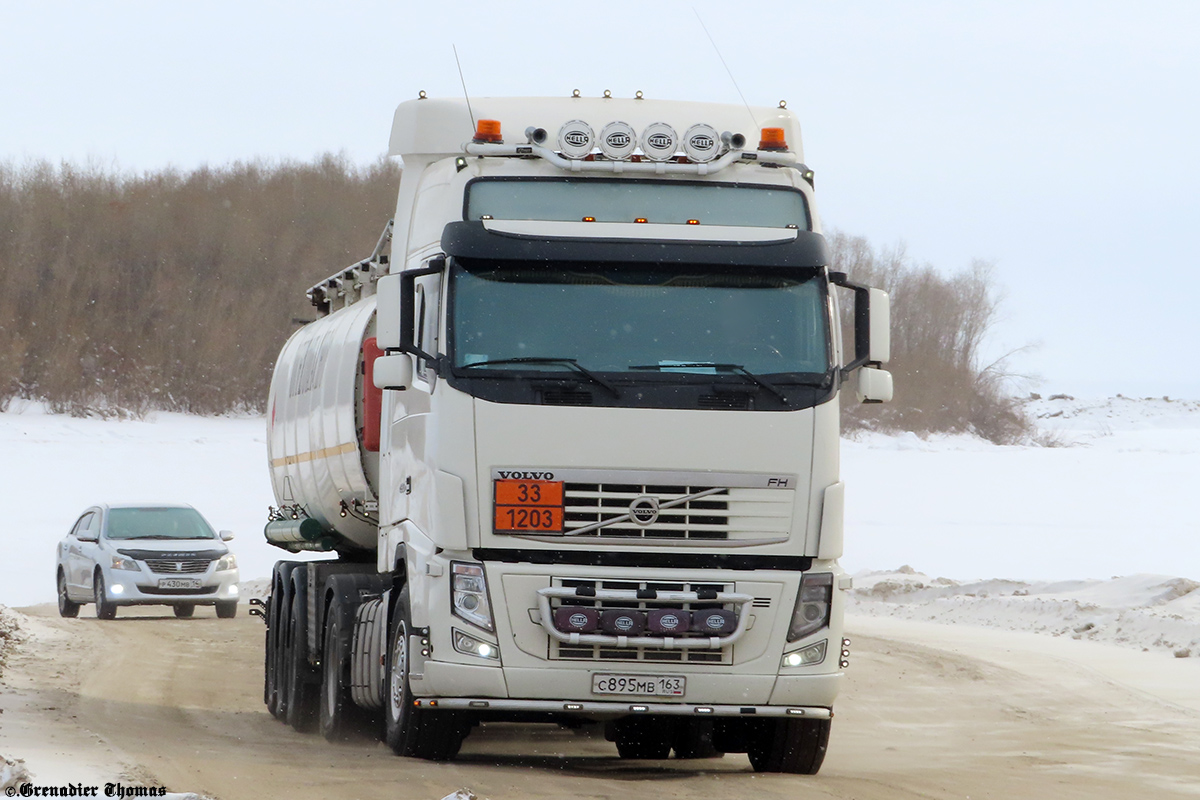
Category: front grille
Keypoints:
(565, 652)
(177, 566)
(729, 513)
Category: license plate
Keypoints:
(647, 685)
(179, 583)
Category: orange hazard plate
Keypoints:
(529, 506)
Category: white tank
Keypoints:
(315, 423)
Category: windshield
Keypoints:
(635, 317)
(157, 523)
(672, 202)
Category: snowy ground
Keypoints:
(1028, 538)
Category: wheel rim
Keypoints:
(399, 671)
(62, 593)
(100, 593)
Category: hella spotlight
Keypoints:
(659, 141)
(575, 139)
(617, 140)
(701, 143)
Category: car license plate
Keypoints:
(179, 583)
(649, 685)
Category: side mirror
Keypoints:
(393, 371)
(395, 304)
(879, 322)
(874, 385)
(226, 535)
(88, 536)
(387, 312)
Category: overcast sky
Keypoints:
(1056, 139)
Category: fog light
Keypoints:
(470, 646)
(118, 589)
(233, 589)
(807, 656)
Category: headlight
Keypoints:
(812, 605)
(121, 562)
(469, 645)
(468, 594)
(227, 561)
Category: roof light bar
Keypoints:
(659, 141)
(575, 139)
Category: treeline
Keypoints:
(170, 290)
(175, 290)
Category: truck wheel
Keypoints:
(278, 621)
(301, 695)
(105, 609)
(340, 717)
(790, 745)
(410, 731)
(227, 609)
(693, 738)
(184, 610)
(643, 737)
(66, 607)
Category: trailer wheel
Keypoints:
(790, 745)
(643, 737)
(227, 609)
(340, 717)
(411, 731)
(105, 609)
(693, 738)
(66, 606)
(184, 610)
(278, 621)
(301, 685)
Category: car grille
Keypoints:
(177, 566)
(565, 652)
(730, 513)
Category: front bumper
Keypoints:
(128, 588)
(601, 710)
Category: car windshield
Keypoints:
(637, 317)
(157, 523)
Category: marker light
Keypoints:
(700, 142)
(617, 140)
(659, 141)
(772, 139)
(488, 130)
(640, 219)
(693, 222)
(575, 139)
(589, 219)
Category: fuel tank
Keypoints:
(318, 409)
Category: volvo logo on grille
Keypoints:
(644, 510)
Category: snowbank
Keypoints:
(1151, 612)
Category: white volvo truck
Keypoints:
(572, 432)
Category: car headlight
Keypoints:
(469, 595)
(121, 562)
(813, 605)
(227, 561)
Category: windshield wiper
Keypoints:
(737, 369)
(570, 362)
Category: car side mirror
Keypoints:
(393, 371)
(226, 535)
(874, 385)
(88, 536)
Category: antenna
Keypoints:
(464, 85)
(753, 121)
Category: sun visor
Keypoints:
(807, 250)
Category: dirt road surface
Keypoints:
(927, 711)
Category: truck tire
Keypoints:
(301, 697)
(278, 620)
(66, 606)
(227, 609)
(693, 738)
(340, 718)
(184, 610)
(410, 731)
(643, 737)
(105, 609)
(790, 745)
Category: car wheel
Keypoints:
(227, 609)
(301, 681)
(105, 608)
(66, 606)
(184, 610)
